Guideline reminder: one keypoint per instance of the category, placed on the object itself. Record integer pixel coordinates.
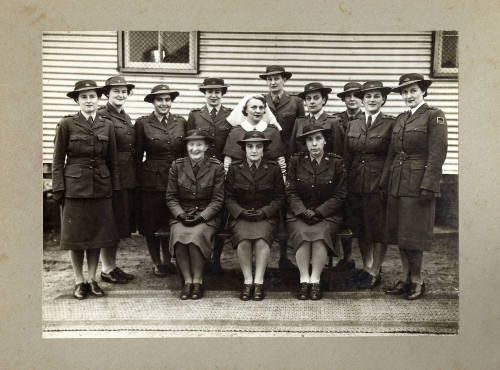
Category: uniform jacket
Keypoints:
(416, 153)
(289, 108)
(324, 191)
(202, 193)
(162, 145)
(345, 119)
(273, 151)
(365, 152)
(125, 144)
(85, 158)
(263, 190)
(200, 119)
(334, 143)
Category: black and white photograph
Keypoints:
(250, 184)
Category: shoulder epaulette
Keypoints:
(237, 161)
(333, 155)
(388, 116)
(272, 125)
(180, 160)
(70, 115)
(273, 162)
(195, 109)
(214, 160)
(333, 115)
(300, 117)
(101, 107)
(402, 113)
(432, 108)
(142, 117)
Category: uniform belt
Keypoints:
(85, 161)
(409, 156)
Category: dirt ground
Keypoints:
(440, 269)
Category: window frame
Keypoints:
(437, 49)
(192, 69)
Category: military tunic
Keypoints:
(85, 168)
(219, 128)
(334, 142)
(162, 144)
(345, 119)
(289, 108)
(414, 162)
(323, 190)
(364, 156)
(124, 204)
(200, 194)
(264, 190)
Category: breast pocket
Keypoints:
(74, 183)
(353, 141)
(415, 138)
(102, 144)
(77, 144)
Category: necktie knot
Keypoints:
(91, 120)
(315, 163)
(164, 120)
(213, 114)
(276, 100)
(369, 122)
(195, 169)
(253, 168)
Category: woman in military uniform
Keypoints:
(254, 197)
(195, 197)
(160, 135)
(315, 96)
(117, 91)
(411, 179)
(366, 145)
(85, 175)
(315, 195)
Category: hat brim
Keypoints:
(74, 94)
(384, 90)
(323, 90)
(286, 75)
(324, 131)
(106, 88)
(198, 137)
(242, 143)
(342, 94)
(151, 96)
(425, 83)
(202, 88)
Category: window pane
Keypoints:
(449, 50)
(175, 46)
(143, 45)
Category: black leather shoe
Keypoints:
(159, 271)
(114, 277)
(81, 291)
(186, 291)
(258, 292)
(303, 292)
(95, 289)
(246, 292)
(197, 291)
(286, 265)
(400, 287)
(169, 268)
(416, 291)
(315, 293)
(345, 265)
(124, 274)
(369, 281)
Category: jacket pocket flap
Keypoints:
(103, 138)
(73, 171)
(104, 171)
(78, 137)
(353, 134)
(422, 130)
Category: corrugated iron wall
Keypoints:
(332, 59)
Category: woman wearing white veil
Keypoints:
(252, 113)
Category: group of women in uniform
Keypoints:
(232, 169)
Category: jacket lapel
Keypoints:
(377, 121)
(205, 114)
(82, 122)
(245, 171)
(157, 124)
(98, 122)
(204, 168)
(307, 164)
(322, 120)
(113, 113)
(285, 98)
(221, 114)
(418, 113)
(261, 171)
(323, 165)
(188, 170)
(270, 102)
(363, 123)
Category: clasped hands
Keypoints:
(253, 215)
(190, 220)
(310, 217)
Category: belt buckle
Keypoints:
(92, 163)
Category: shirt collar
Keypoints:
(374, 116)
(413, 110)
(317, 115)
(217, 108)
(353, 115)
(247, 126)
(316, 159)
(88, 115)
(159, 119)
(193, 163)
(257, 164)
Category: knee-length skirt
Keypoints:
(246, 230)
(124, 211)
(410, 222)
(88, 224)
(365, 216)
(153, 213)
(201, 235)
(324, 230)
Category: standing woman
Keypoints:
(117, 91)
(411, 179)
(255, 193)
(315, 196)
(85, 175)
(160, 135)
(366, 146)
(195, 196)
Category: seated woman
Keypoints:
(195, 195)
(315, 195)
(253, 114)
(255, 193)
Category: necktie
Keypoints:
(276, 100)
(91, 120)
(315, 164)
(369, 122)
(409, 113)
(312, 119)
(195, 169)
(164, 121)
(213, 114)
(253, 168)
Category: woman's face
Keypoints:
(117, 96)
(352, 102)
(255, 109)
(275, 83)
(196, 149)
(214, 97)
(162, 104)
(88, 101)
(373, 101)
(412, 95)
(314, 102)
(315, 144)
(254, 151)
